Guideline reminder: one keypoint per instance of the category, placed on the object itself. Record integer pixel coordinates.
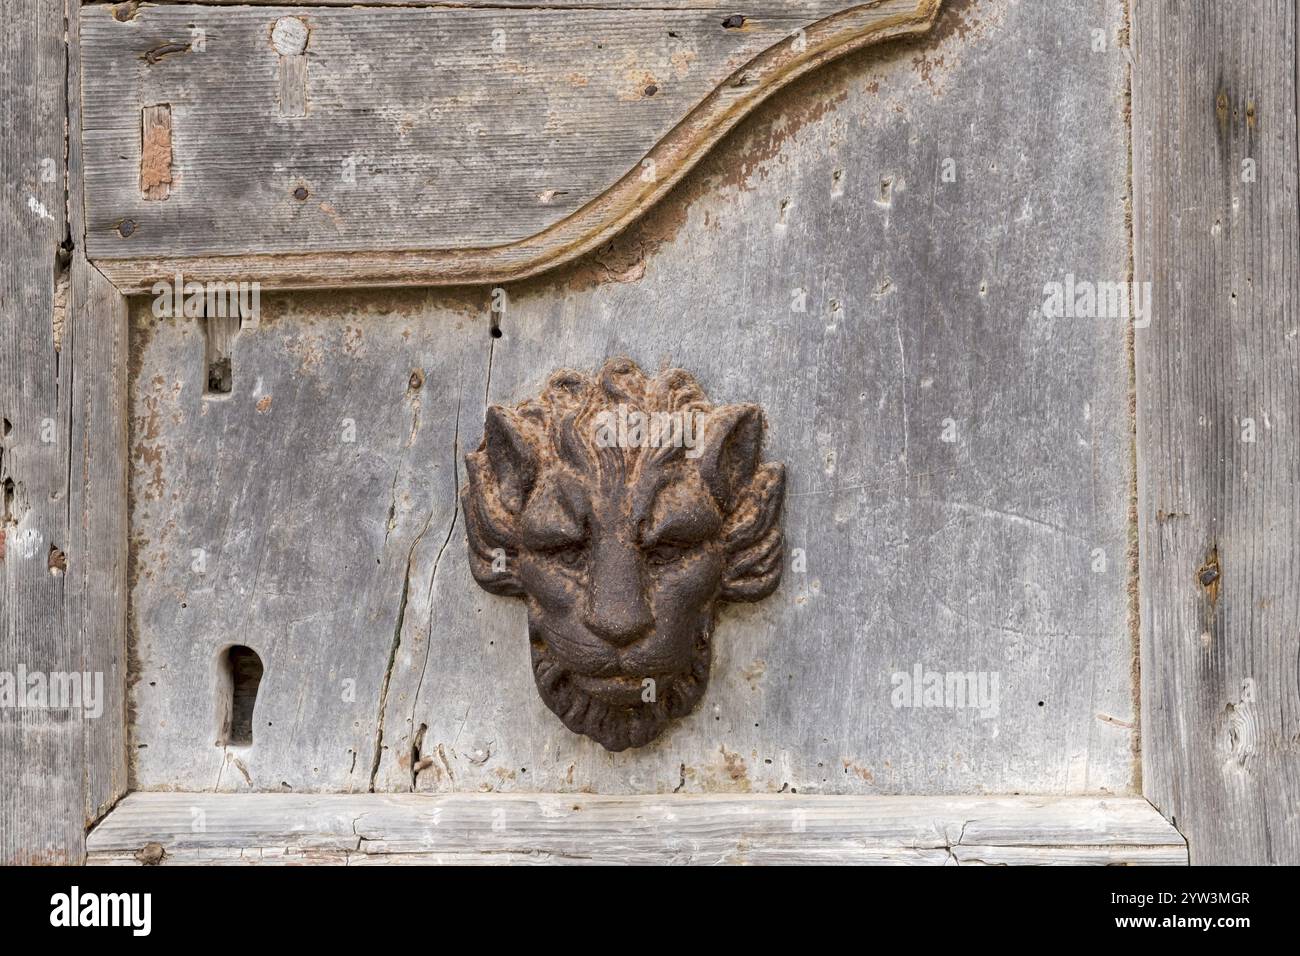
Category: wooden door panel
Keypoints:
(818, 264)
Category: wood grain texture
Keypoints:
(40, 750)
(920, 307)
(96, 581)
(286, 516)
(346, 561)
(1214, 86)
(750, 8)
(426, 155)
(62, 465)
(702, 830)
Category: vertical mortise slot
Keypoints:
(239, 677)
(156, 152)
(219, 345)
(289, 37)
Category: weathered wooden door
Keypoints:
(991, 271)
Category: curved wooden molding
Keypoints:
(207, 229)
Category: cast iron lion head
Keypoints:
(623, 509)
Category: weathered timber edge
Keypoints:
(368, 829)
(587, 228)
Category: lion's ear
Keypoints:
(500, 473)
(510, 456)
(733, 440)
(752, 536)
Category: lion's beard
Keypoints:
(620, 727)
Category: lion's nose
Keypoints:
(617, 610)
(620, 626)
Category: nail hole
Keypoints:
(241, 673)
(300, 193)
(651, 90)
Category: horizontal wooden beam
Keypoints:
(322, 146)
(748, 8)
(655, 829)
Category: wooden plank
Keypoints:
(41, 753)
(499, 828)
(98, 515)
(1218, 403)
(62, 464)
(1070, 856)
(95, 589)
(530, 138)
(750, 8)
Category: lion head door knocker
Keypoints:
(622, 509)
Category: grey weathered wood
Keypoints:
(98, 517)
(423, 154)
(345, 562)
(1070, 856)
(286, 516)
(766, 8)
(922, 305)
(62, 395)
(96, 580)
(1214, 86)
(530, 828)
(40, 751)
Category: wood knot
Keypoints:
(1209, 574)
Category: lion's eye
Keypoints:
(571, 556)
(662, 554)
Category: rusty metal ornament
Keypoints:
(623, 508)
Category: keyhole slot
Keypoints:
(219, 346)
(240, 675)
